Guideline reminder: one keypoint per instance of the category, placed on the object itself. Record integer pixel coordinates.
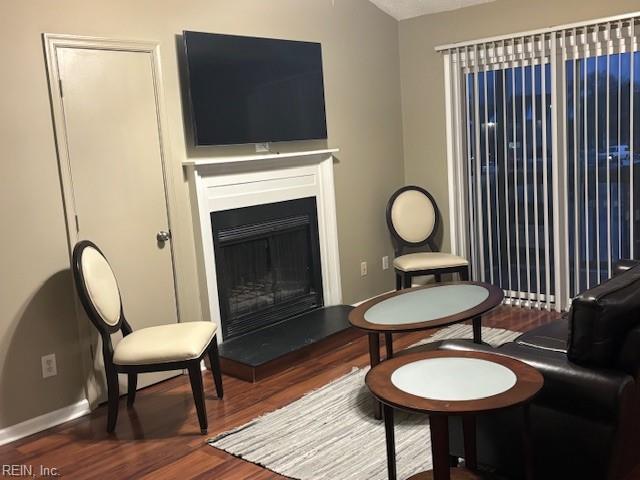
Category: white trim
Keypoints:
(451, 161)
(252, 158)
(329, 251)
(540, 31)
(460, 148)
(44, 422)
(357, 304)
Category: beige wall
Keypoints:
(360, 49)
(422, 80)
(363, 76)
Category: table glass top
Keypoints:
(453, 379)
(426, 304)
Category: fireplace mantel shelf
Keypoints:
(252, 158)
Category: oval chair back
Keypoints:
(412, 218)
(98, 289)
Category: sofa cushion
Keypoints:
(551, 336)
(601, 317)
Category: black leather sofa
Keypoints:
(585, 421)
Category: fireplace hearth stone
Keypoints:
(261, 353)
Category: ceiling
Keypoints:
(403, 9)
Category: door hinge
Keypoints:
(60, 86)
(77, 224)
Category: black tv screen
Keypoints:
(254, 90)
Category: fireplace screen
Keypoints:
(267, 264)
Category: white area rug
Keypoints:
(330, 433)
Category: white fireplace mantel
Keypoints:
(223, 183)
(227, 160)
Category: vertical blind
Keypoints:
(543, 154)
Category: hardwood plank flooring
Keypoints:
(159, 437)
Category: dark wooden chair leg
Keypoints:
(464, 274)
(132, 385)
(388, 343)
(113, 396)
(398, 281)
(438, 277)
(406, 280)
(195, 375)
(214, 360)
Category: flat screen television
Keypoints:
(254, 90)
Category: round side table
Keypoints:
(442, 383)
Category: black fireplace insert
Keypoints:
(267, 264)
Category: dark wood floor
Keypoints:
(159, 438)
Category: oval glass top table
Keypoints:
(423, 308)
(443, 383)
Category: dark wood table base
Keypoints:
(439, 426)
(456, 474)
(528, 383)
(441, 460)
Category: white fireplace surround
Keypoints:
(223, 183)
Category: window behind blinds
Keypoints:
(543, 154)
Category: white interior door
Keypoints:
(114, 156)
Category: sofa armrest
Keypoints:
(594, 393)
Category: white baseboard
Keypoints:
(367, 299)
(43, 422)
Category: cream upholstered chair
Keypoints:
(412, 217)
(166, 347)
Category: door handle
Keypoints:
(163, 236)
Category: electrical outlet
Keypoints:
(363, 269)
(262, 147)
(49, 366)
(385, 262)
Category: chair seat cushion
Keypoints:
(165, 343)
(412, 262)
